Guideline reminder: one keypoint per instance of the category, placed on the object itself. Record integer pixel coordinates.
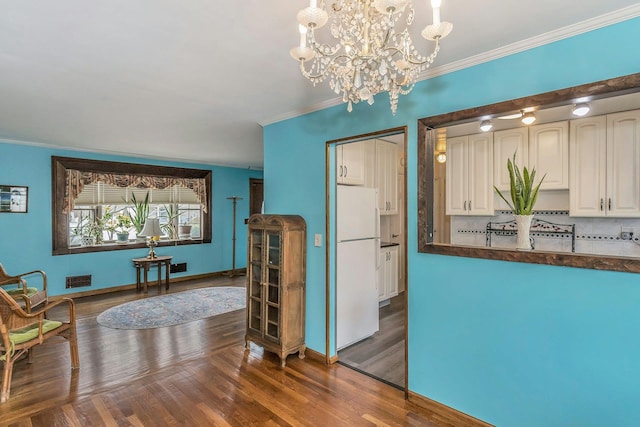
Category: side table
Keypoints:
(145, 264)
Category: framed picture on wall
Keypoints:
(13, 199)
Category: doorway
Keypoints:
(256, 196)
(374, 162)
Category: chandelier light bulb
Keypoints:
(435, 4)
(303, 36)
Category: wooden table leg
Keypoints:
(138, 284)
(159, 276)
(168, 267)
(146, 276)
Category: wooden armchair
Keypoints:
(29, 297)
(21, 330)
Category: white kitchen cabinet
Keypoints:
(505, 144)
(545, 147)
(350, 163)
(388, 273)
(469, 183)
(549, 154)
(386, 177)
(605, 166)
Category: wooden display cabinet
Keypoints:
(276, 284)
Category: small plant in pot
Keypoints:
(524, 194)
(123, 226)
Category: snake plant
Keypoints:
(522, 190)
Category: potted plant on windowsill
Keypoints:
(139, 211)
(524, 194)
(123, 226)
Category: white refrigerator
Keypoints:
(357, 262)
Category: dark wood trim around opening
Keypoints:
(602, 89)
(60, 221)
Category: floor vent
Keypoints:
(78, 281)
(178, 268)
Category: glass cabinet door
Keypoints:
(255, 281)
(272, 297)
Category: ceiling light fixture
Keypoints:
(486, 126)
(370, 55)
(528, 118)
(581, 109)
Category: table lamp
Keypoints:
(152, 231)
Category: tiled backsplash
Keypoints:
(593, 235)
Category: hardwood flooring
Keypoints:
(195, 374)
(383, 354)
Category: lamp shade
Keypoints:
(151, 228)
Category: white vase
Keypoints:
(523, 223)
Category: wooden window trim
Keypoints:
(60, 220)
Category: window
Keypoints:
(92, 202)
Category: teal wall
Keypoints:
(25, 239)
(510, 343)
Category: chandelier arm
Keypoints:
(322, 73)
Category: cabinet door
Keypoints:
(392, 267)
(272, 297)
(505, 144)
(480, 174)
(382, 275)
(549, 154)
(351, 163)
(387, 177)
(588, 165)
(623, 163)
(457, 176)
(254, 290)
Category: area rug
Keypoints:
(174, 309)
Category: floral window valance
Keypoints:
(75, 181)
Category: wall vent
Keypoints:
(78, 281)
(178, 268)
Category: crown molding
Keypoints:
(601, 21)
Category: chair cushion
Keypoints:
(19, 336)
(18, 291)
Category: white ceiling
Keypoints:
(193, 80)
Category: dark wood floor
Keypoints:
(195, 374)
(382, 355)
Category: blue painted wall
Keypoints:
(25, 239)
(510, 343)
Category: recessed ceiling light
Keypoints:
(581, 109)
(528, 118)
(486, 125)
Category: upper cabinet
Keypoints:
(350, 163)
(549, 154)
(469, 182)
(386, 177)
(505, 144)
(605, 165)
(545, 147)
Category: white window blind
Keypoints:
(101, 193)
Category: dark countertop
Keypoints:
(387, 244)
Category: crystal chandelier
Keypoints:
(370, 54)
